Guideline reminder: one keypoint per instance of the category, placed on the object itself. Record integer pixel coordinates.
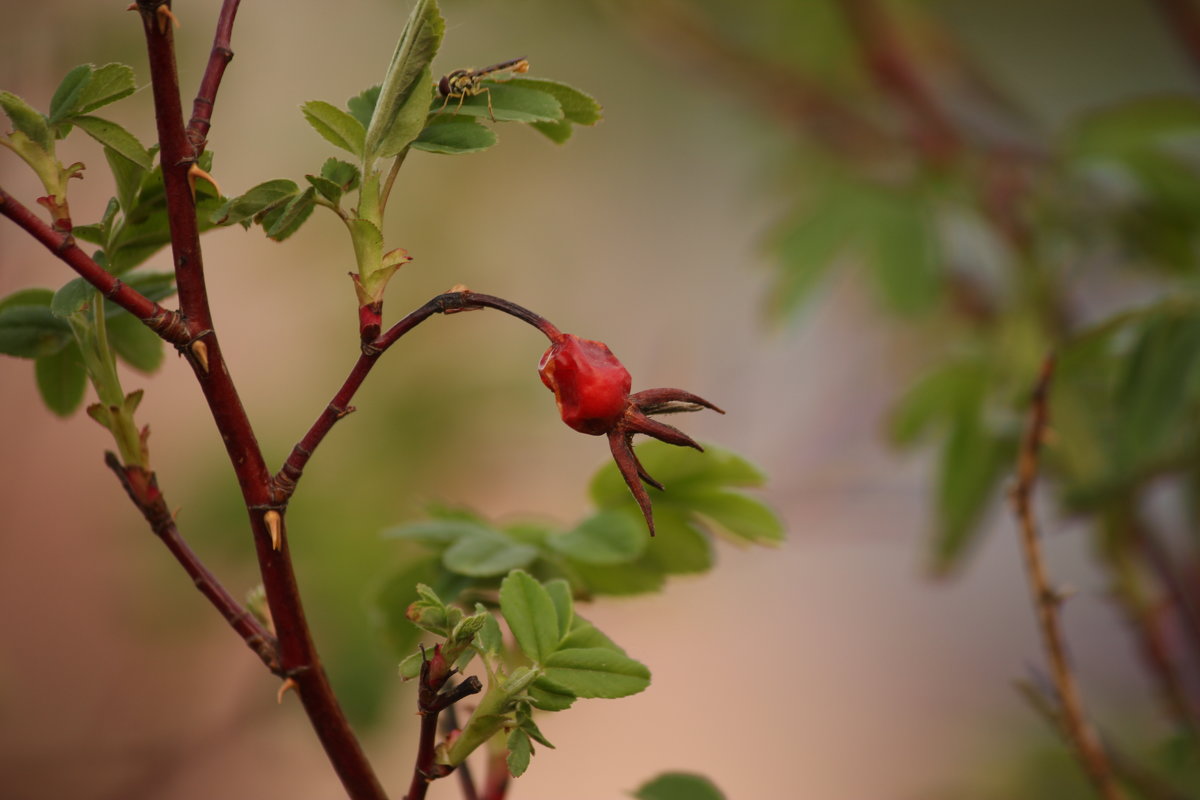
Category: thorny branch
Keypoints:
(1046, 600)
(218, 60)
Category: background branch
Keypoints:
(1046, 600)
(218, 60)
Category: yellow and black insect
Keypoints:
(464, 83)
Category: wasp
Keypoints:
(464, 83)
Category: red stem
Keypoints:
(285, 481)
(142, 487)
(166, 323)
(298, 655)
(218, 60)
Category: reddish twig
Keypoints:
(1183, 19)
(892, 68)
(284, 483)
(1046, 600)
(166, 323)
(142, 488)
(297, 653)
(498, 779)
(466, 781)
(218, 60)
(434, 695)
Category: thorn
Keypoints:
(166, 18)
(458, 287)
(195, 172)
(132, 7)
(200, 352)
(290, 683)
(274, 522)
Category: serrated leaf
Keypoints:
(262, 197)
(557, 132)
(545, 696)
(27, 120)
(596, 672)
(61, 380)
(32, 331)
(282, 221)
(367, 241)
(114, 137)
(484, 555)
(586, 635)
(419, 42)
(454, 137)
(607, 537)
(409, 119)
(529, 611)
(526, 723)
(564, 604)
(326, 188)
(362, 105)
(508, 104)
(490, 639)
(344, 174)
(108, 84)
(336, 126)
(679, 786)
(519, 752)
(69, 93)
(137, 345)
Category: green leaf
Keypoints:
(508, 104)
(972, 464)
(904, 257)
(679, 786)
(114, 137)
(529, 611)
(404, 127)
(137, 345)
(419, 42)
(607, 537)
(545, 696)
(744, 517)
(638, 577)
(282, 221)
(27, 297)
(678, 469)
(326, 188)
(527, 724)
(596, 672)
(490, 639)
(564, 604)
(808, 245)
(69, 92)
(32, 331)
(940, 396)
(454, 137)
(519, 752)
(586, 635)
(483, 555)
(61, 380)
(342, 173)
(108, 84)
(337, 127)
(577, 107)
(74, 298)
(679, 547)
(393, 597)
(27, 120)
(362, 106)
(437, 531)
(557, 132)
(260, 198)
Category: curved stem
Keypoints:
(218, 60)
(284, 482)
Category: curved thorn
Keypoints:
(638, 422)
(664, 401)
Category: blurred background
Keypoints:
(864, 658)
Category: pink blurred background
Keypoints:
(829, 668)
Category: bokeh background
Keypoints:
(832, 667)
